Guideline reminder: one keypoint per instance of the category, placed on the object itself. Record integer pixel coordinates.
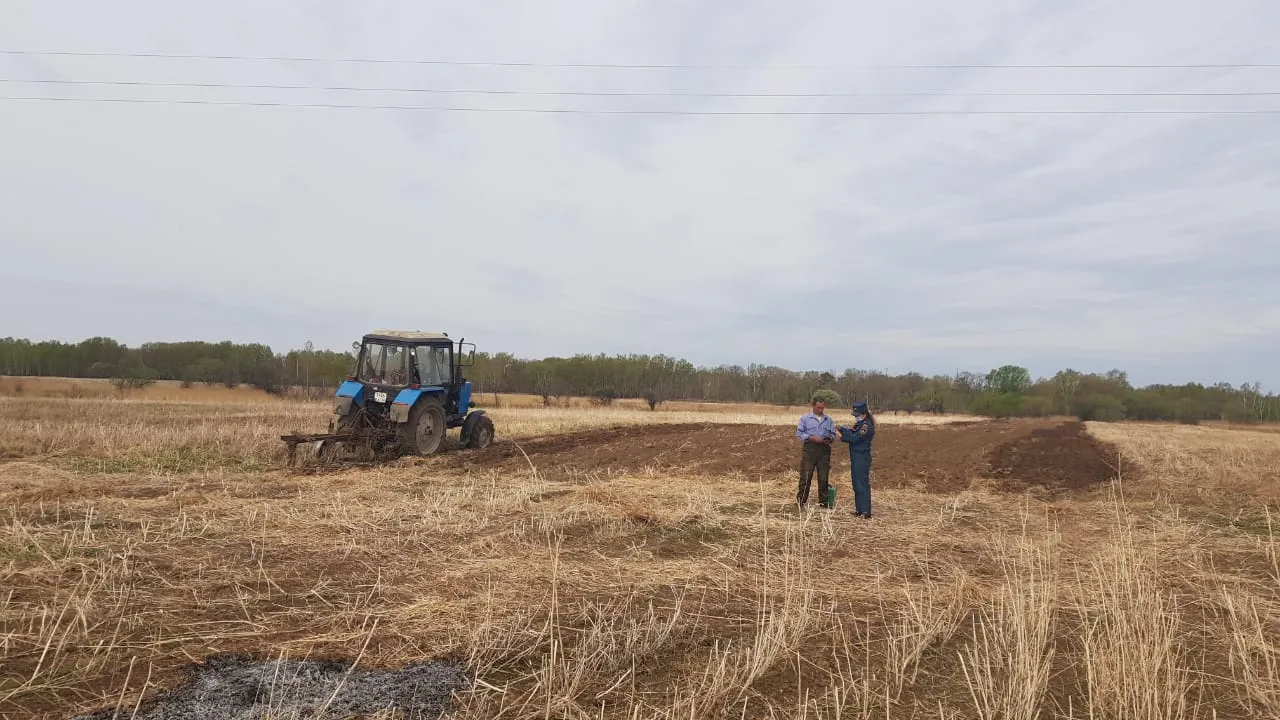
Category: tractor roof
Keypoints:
(406, 336)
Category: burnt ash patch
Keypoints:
(238, 687)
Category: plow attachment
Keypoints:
(325, 450)
(356, 439)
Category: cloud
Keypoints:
(932, 243)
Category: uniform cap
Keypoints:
(860, 406)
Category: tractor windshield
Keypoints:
(385, 364)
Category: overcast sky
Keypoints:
(936, 243)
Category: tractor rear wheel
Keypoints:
(481, 434)
(425, 430)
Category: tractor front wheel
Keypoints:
(481, 434)
(425, 430)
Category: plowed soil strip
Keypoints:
(1016, 454)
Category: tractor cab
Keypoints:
(400, 363)
(411, 384)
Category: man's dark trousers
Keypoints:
(815, 456)
(860, 468)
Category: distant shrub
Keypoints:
(190, 375)
(1101, 408)
(828, 396)
(996, 405)
(135, 377)
(1240, 414)
(603, 396)
(101, 370)
(125, 384)
(1035, 406)
(654, 398)
(265, 376)
(1188, 412)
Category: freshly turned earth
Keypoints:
(1056, 456)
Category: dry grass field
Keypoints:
(168, 391)
(621, 563)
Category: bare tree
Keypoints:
(309, 349)
(543, 382)
(1067, 384)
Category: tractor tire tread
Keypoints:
(484, 424)
(407, 434)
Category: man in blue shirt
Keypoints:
(817, 431)
(859, 439)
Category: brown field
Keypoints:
(621, 563)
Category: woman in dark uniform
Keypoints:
(859, 439)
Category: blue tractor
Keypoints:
(405, 392)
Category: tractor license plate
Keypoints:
(380, 397)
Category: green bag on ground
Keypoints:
(831, 495)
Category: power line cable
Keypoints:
(611, 93)
(580, 111)
(640, 66)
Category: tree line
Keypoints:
(225, 363)
(1007, 391)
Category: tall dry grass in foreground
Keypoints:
(630, 597)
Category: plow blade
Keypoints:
(321, 449)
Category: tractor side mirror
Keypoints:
(355, 345)
(466, 354)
